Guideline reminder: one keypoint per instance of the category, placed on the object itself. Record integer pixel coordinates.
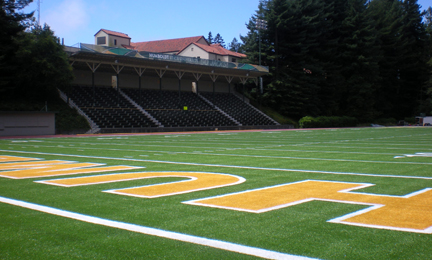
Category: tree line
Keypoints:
(32, 65)
(358, 58)
(32, 61)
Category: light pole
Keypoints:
(261, 25)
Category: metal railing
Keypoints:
(83, 47)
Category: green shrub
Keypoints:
(325, 121)
(307, 122)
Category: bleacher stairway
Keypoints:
(134, 110)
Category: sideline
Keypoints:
(147, 133)
(251, 156)
(247, 250)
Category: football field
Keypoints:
(352, 193)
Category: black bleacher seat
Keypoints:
(238, 109)
(109, 109)
(168, 107)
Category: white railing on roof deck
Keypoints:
(84, 47)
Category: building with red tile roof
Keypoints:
(111, 38)
(211, 52)
(196, 47)
(171, 46)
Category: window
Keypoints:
(234, 60)
(101, 40)
(191, 49)
(115, 42)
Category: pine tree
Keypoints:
(235, 45)
(219, 40)
(427, 105)
(12, 25)
(387, 17)
(413, 68)
(250, 41)
(41, 49)
(341, 57)
(359, 54)
(295, 28)
(210, 38)
(329, 54)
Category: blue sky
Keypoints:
(147, 20)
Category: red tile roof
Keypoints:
(219, 50)
(164, 46)
(174, 45)
(119, 34)
(128, 47)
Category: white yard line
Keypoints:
(223, 245)
(235, 148)
(245, 155)
(227, 166)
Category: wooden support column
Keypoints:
(197, 77)
(93, 67)
(243, 81)
(160, 73)
(179, 76)
(259, 93)
(214, 78)
(229, 79)
(140, 72)
(118, 69)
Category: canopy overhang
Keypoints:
(130, 60)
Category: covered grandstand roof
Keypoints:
(88, 53)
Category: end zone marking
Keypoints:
(36, 169)
(196, 181)
(409, 213)
(8, 158)
(230, 166)
(218, 244)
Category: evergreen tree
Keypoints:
(427, 104)
(210, 38)
(360, 62)
(413, 68)
(250, 41)
(341, 57)
(219, 40)
(387, 17)
(329, 53)
(235, 45)
(44, 66)
(294, 28)
(403, 64)
(12, 26)
(428, 18)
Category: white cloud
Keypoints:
(68, 17)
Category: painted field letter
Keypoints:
(412, 212)
(195, 181)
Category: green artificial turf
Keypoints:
(263, 158)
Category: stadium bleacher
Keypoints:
(239, 110)
(109, 108)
